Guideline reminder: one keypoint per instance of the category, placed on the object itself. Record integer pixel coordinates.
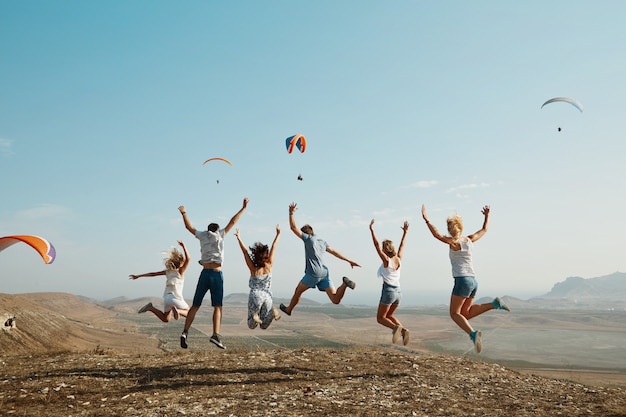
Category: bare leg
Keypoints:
(336, 295)
(217, 319)
(457, 304)
(476, 310)
(385, 316)
(300, 289)
(162, 316)
(191, 314)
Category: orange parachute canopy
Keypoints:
(218, 159)
(41, 245)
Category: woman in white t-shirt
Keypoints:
(173, 302)
(462, 308)
(391, 295)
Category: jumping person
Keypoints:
(315, 272)
(261, 310)
(211, 278)
(462, 308)
(391, 295)
(173, 302)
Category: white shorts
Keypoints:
(170, 301)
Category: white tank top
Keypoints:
(173, 284)
(461, 260)
(390, 275)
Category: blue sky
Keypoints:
(108, 109)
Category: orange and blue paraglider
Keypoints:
(296, 141)
(41, 245)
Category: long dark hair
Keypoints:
(259, 254)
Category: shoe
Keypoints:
(498, 304)
(349, 283)
(183, 340)
(256, 318)
(175, 313)
(215, 339)
(396, 333)
(405, 337)
(145, 308)
(284, 309)
(276, 313)
(477, 337)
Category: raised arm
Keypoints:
(475, 236)
(147, 274)
(246, 255)
(185, 264)
(236, 217)
(271, 258)
(382, 254)
(292, 220)
(342, 257)
(405, 229)
(445, 239)
(188, 224)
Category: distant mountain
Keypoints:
(608, 287)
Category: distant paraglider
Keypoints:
(218, 159)
(571, 101)
(41, 245)
(296, 142)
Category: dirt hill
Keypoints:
(84, 363)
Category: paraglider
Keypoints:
(571, 101)
(296, 141)
(293, 142)
(41, 245)
(218, 159)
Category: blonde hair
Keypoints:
(174, 259)
(455, 226)
(388, 248)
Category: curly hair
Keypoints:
(174, 259)
(259, 254)
(455, 226)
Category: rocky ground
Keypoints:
(300, 382)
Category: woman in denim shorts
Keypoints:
(391, 295)
(462, 308)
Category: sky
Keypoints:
(108, 110)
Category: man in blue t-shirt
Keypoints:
(315, 272)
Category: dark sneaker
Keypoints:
(183, 340)
(276, 313)
(405, 337)
(349, 283)
(145, 308)
(215, 339)
(175, 313)
(498, 304)
(284, 309)
(477, 339)
(397, 331)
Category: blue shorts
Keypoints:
(390, 295)
(465, 287)
(210, 280)
(322, 283)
